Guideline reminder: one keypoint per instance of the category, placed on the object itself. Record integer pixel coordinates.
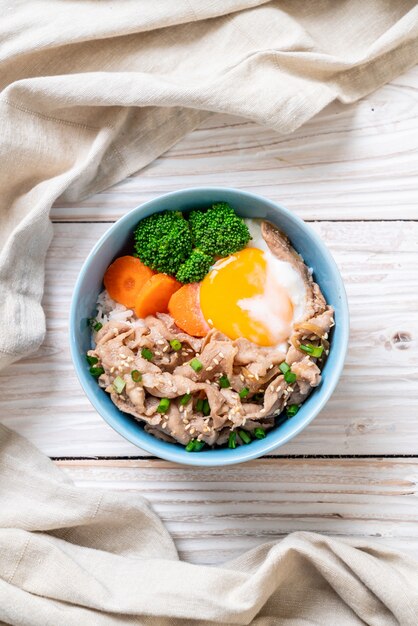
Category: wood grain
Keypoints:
(216, 514)
(373, 411)
(356, 161)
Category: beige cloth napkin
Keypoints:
(91, 91)
(85, 557)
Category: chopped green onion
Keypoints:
(94, 324)
(244, 436)
(146, 354)
(224, 382)
(206, 407)
(260, 433)
(199, 405)
(244, 392)
(136, 376)
(290, 377)
(292, 409)
(185, 399)
(176, 344)
(196, 365)
(194, 445)
(315, 351)
(96, 371)
(284, 367)
(92, 360)
(232, 440)
(163, 406)
(119, 384)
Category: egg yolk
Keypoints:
(239, 298)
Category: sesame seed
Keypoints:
(242, 377)
(192, 431)
(207, 381)
(188, 390)
(158, 353)
(187, 427)
(165, 348)
(221, 355)
(112, 369)
(164, 425)
(326, 336)
(216, 361)
(209, 369)
(181, 408)
(271, 366)
(121, 355)
(256, 376)
(210, 321)
(185, 420)
(327, 352)
(160, 342)
(206, 429)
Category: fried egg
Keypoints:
(253, 294)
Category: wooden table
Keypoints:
(353, 173)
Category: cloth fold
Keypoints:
(71, 555)
(92, 91)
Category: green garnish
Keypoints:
(94, 324)
(119, 384)
(224, 382)
(199, 405)
(232, 440)
(163, 406)
(92, 360)
(290, 377)
(185, 399)
(196, 365)
(194, 445)
(284, 367)
(136, 376)
(244, 436)
(176, 344)
(147, 354)
(259, 433)
(315, 351)
(292, 409)
(206, 407)
(244, 392)
(96, 371)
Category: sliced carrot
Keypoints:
(124, 279)
(155, 295)
(184, 307)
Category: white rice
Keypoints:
(110, 310)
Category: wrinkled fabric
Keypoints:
(93, 91)
(74, 555)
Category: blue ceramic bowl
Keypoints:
(118, 239)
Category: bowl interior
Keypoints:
(118, 240)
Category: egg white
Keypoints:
(279, 273)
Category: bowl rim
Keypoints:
(258, 448)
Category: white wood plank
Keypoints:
(357, 161)
(215, 515)
(374, 410)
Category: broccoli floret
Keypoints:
(163, 241)
(219, 230)
(195, 268)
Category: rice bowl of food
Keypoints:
(209, 326)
